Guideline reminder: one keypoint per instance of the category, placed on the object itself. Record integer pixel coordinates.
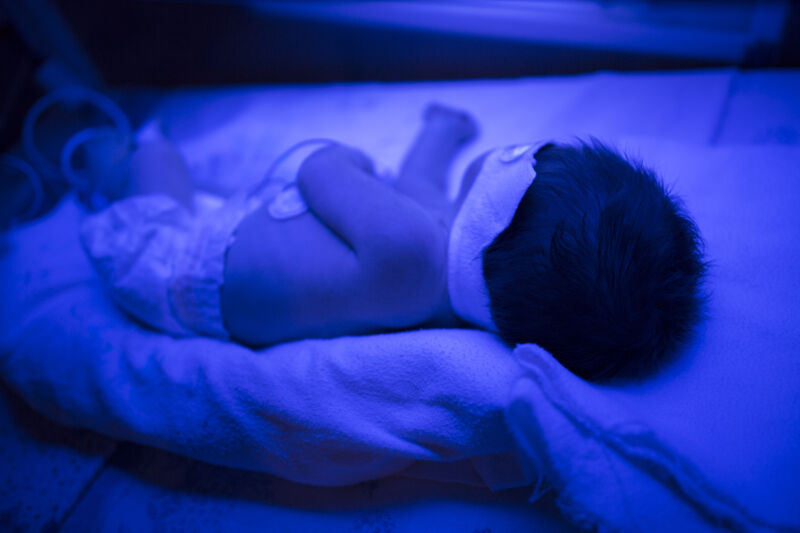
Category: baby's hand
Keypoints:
(458, 123)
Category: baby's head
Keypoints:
(599, 265)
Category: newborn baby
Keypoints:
(570, 247)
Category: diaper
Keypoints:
(165, 266)
(161, 264)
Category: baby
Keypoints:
(569, 247)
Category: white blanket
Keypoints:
(330, 412)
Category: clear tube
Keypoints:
(33, 180)
(63, 170)
(71, 174)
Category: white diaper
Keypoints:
(162, 265)
(166, 266)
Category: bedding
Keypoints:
(468, 410)
(718, 431)
(322, 412)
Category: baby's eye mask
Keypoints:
(490, 204)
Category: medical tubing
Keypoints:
(283, 157)
(47, 168)
(33, 178)
(67, 152)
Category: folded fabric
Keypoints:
(324, 412)
(610, 469)
(713, 441)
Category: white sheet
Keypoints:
(229, 137)
(763, 108)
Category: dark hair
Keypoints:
(600, 265)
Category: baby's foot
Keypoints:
(455, 122)
(151, 131)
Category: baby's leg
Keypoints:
(157, 167)
(424, 172)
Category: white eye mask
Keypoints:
(487, 210)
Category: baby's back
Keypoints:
(364, 259)
(289, 279)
